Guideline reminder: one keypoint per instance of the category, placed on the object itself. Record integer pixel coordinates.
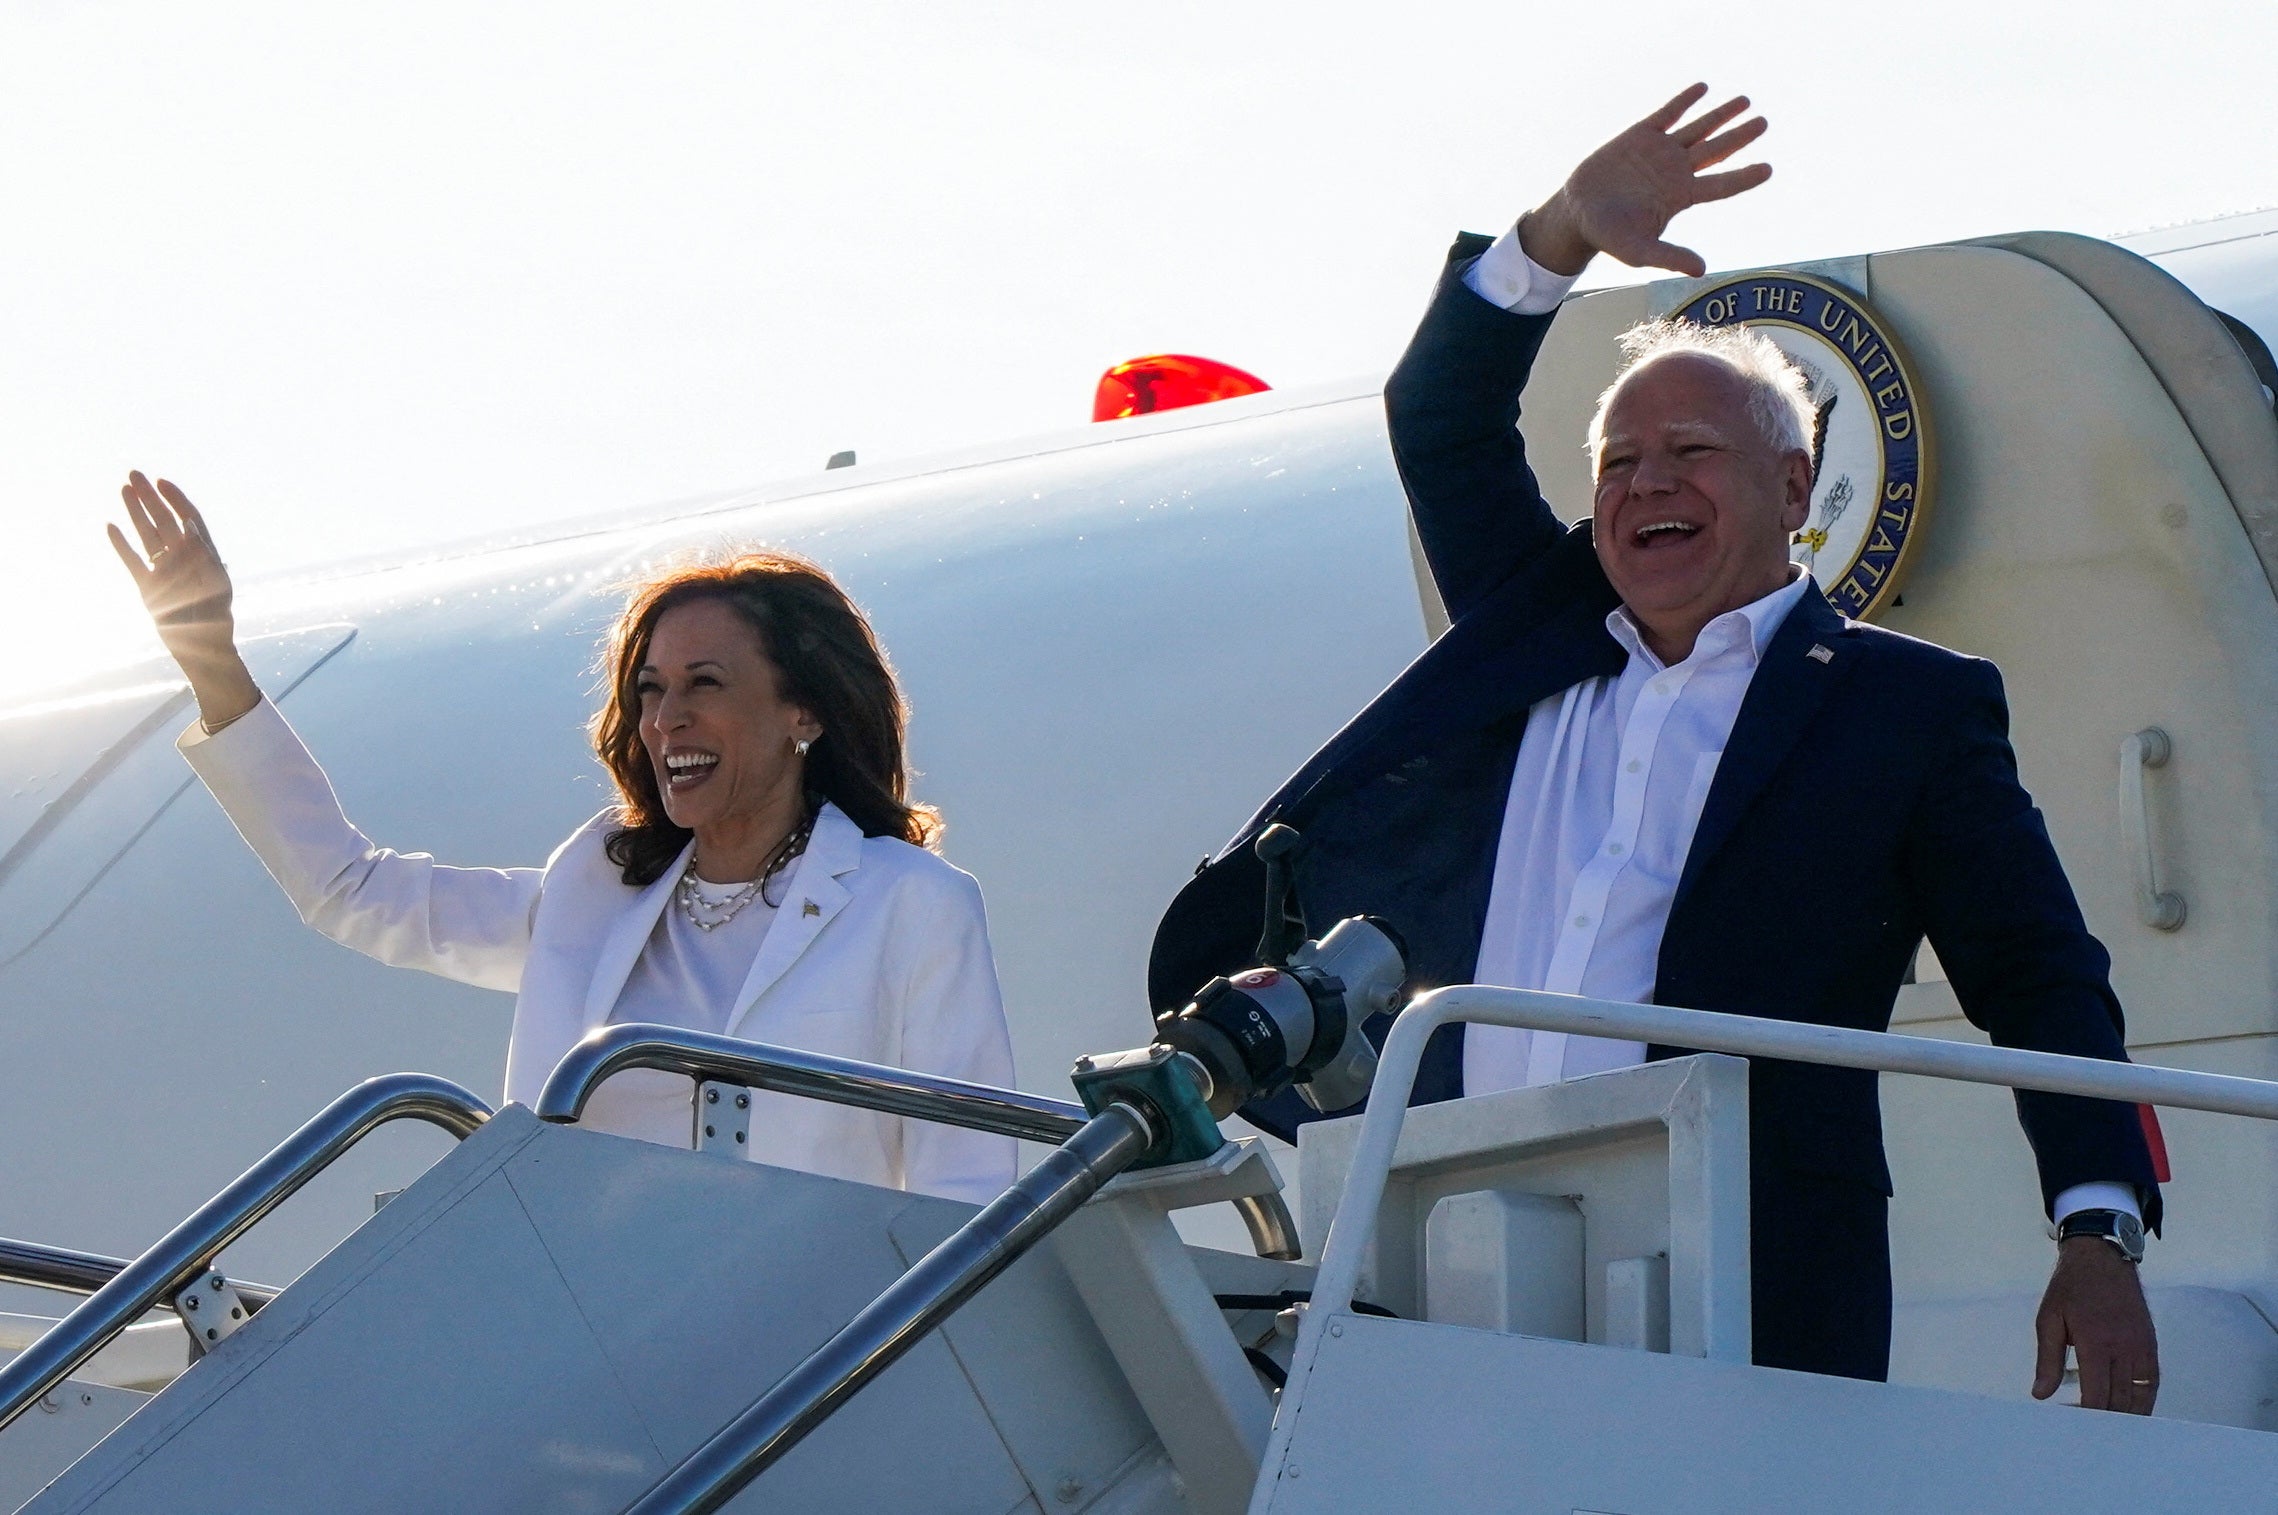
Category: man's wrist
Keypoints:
(1548, 235)
(2117, 1229)
(1504, 276)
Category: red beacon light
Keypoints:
(1168, 381)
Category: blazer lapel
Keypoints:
(815, 895)
(627, 937)
(1808, 654)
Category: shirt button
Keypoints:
(1613, 849)
(1635, 765)
(1582, 920)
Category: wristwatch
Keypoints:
(2122, 1230)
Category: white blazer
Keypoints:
(879, 952)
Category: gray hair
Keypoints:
(1779, 392)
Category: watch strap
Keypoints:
(2122, 1230)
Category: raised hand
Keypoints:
(187, 591)
(1621, 198)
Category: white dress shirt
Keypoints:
(1607, 790)
(1610, 780)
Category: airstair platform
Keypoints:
(1451, 1419)
(552, 1318)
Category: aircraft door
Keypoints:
(2102, 522)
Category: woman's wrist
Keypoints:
(223, 686)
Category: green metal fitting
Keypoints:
(1161, 1082)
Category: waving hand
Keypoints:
(1621, 198)
(186, 589)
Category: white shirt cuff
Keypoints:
(201, 733)
(2099, 1196)
(1504, 275)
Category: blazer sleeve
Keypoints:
(405, 909)
(2001, 914)
(1452, 409)
(953, 1024)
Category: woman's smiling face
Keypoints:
(716, 725)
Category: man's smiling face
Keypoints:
(1694, 506)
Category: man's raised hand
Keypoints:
(1621, 198)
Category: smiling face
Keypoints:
(1694, 507)
(720, 734)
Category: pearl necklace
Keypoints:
(708, 916)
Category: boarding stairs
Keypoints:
(555, 1319)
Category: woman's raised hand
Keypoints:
(186, 589)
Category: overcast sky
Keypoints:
(363, 277)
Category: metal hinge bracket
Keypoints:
(723, 1118)
(212, 1310)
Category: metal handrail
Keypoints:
(74, 1272)
(843, 1081)
(897, 1320)
(810, 1075)
(1354, 1227)
(183, 1253)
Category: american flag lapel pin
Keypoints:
(1820, 653)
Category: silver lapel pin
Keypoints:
(1820, 654)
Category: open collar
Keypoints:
(812, 896)
(1748, 630)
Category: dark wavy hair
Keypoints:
(827, 660)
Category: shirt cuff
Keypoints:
(2098, 1196)
(200, 733)
(1504, 275)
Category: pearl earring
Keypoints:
(800, 746)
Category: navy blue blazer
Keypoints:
(1864, 801)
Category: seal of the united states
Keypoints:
(1871, 473)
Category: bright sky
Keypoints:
(365, 277)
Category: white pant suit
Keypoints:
(877, 950)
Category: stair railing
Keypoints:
(842, 1081)
(1345, 1250)
(184, 1256)
(73, 1272)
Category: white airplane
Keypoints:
(1118, 640)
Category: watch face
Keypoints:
(2130, 1232)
